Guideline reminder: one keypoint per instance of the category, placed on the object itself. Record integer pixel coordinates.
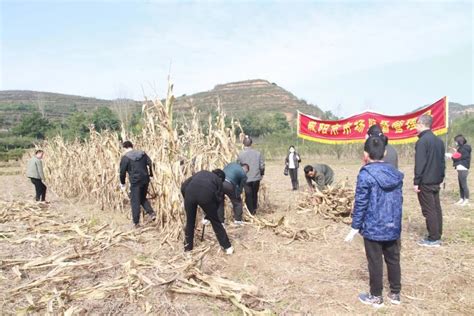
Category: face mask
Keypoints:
(292, 150)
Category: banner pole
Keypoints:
(447, 123)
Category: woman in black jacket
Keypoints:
(292, 163)
(462, 162)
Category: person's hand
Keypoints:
(122, 187)
(416, 189)
(351, 235)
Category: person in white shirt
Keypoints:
(292, 163)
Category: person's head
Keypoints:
(39, 154)
(247, 141)
(309, 171)
(424, 122)
(245, 166)
(374, 148)
(291, 149)
(375, 130)
(219, 173)
(460, 140)
(127, 145)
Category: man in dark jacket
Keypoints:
(377, 216)
(235, 180)
(255, 160)
(139, 168)
(204, 189)
(429, 174)
(321, 174)
(391, 155)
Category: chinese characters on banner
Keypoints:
(399, 129)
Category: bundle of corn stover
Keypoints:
(88, 169)
(334, 203)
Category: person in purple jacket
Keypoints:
(377, 216)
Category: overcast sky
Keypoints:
(345, 56)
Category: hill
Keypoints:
(237, 99)
(55, 106)
(250, 96)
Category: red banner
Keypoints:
(399, 129)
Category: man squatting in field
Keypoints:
(377, 216)
(139, 168)
(35, 172)
(204, 189)
(321, 174)
(235, 179)
(254, 159)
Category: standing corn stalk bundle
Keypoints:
(88, 170)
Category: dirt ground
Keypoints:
(322, 276)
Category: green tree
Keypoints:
(77, 126)
(104, 118)
(33, 125)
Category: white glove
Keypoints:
(448, 155)
(351, 235)
(122, 187)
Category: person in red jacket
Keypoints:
(462, 162)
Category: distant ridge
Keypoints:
(237, 99)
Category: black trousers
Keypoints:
(294, 178)
(40, 189)
(390, 250)
(138, 198)
(251, 195)
(198, 196)
(431, 210)
(235, 198)
(463, 189)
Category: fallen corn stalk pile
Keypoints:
(335, 203)
(282, 228)
(58, 266)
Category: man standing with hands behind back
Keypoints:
(429, 174)
(254, 159)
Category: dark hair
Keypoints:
(291, 147)
(461, 140)
(307, 169)
(39, 151)
(426, 120)
(127, 144)
(247, 141)
(219, 173)
(375, 130)
(245, 165)
(375, 147)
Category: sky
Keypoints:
(344, 56)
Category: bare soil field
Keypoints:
(70, 257)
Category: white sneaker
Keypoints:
(465, 202)
(205, 221)
(459, 202)
(229, 250)
(239, 223)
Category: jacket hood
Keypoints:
(135, 154)
(386, 176)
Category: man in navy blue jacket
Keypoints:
(377, 216)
